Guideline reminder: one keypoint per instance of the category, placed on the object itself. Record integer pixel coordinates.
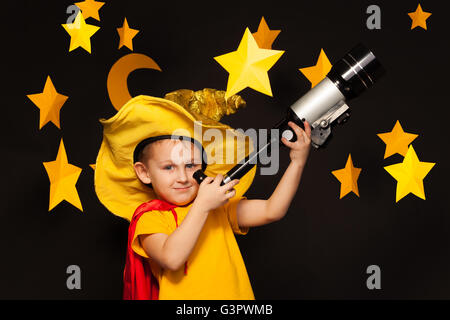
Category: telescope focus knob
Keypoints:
(288, 134)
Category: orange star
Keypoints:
(63, 178)
(348, 177)
(49, 103)
(397, 141)
(317, 73)
(90, 8)
(126, 35)
(264, 36)
(419, 18)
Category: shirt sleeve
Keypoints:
(150, 222)
(230, 210)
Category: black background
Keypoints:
(322, 247)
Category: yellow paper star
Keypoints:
(317, 73)
(90, 8)
(348, 177)
(397, 141)
(49, 103)
(419, 18)
(63, 178)
(410, 174)
(248, 66)
(80, 33)
(126, 35)
(93, 166)
(265, 37)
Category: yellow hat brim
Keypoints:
(115, 180)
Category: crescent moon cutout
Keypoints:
(117, 84)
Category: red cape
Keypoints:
(139, 283)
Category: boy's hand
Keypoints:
(211, 195)
(300, 148)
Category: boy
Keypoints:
(196, 229)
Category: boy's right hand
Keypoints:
(212, 195)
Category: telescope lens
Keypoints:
(357, 71)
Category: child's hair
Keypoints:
(140, 155)
(144, 153)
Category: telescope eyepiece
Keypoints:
(357, 71)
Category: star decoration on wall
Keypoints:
(348, 177)
(419, 18)
(63, 178)
(248, 66)
(49, 103)
(126, 35)
(265, 37)
(397, 141)
(90, 8)
(409, 175)
(317, 73)
(80, 33)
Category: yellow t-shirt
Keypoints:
(215, 267)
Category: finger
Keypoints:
(303, 132)
(287, 142)
(305, 136)
(207, 180)
(230, 184)
(298, 131)
(230, 194)
(218, 179)
(307, 129)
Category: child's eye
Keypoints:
(190, 165)
(168, 167)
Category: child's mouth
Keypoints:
(182, 189)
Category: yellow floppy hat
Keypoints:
(143, 117)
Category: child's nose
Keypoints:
(182, 175)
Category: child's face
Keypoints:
(169, 166)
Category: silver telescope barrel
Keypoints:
(317, 101)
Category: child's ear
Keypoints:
(141, 172)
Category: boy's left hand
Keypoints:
(300, 148)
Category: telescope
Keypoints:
(323, 106)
